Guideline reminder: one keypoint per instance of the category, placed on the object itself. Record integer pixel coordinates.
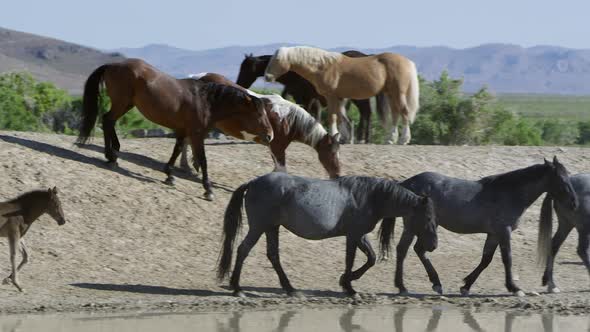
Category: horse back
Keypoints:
(309, 208)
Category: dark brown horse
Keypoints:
(289, 123)
(189, 107)
(304, 93)
(16, 218)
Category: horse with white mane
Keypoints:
(338, 77)
(289, 121)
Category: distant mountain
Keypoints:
(504, 68)
(65, 64)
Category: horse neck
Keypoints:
(34, 204)
(533, 183)
(400, 202)
(261, 65)
(304, 71)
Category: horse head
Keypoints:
(54, 209)
(560, 186)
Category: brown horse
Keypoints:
(337, 77)
(189, 107)
(289, 123)
(16, 218)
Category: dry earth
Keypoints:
(132, 242)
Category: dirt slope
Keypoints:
(133, 242)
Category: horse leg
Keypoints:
(25, 260)
(184, 165)
(243, 250)
(394, 137)
(489, 248)
(200, 161)
(345, 279)
(365, 246)
(506, 250)
(364, 108)
(583, 244)
(272, 252)
(402, 250)
(430, 270)
(111, 141)
(178, 147)
(406, 133)
(333, 111)
(563, 230)
(13, 240)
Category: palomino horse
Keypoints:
(190, 108)
(289, 123)
(568, 219)
(305, 94)
(349, 206)
(16, 218)
(336, 77)
(492, 205)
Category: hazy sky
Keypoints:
(362, 23)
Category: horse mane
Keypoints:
(216, 93)
(515, 178)
(298, 119)
(311, 57)
(28, 196)
(362, 188)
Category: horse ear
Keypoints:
(555, 161)
(547, 162)
(54, 190)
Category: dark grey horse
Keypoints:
(319, 209)
(492, 205)
(568, 218)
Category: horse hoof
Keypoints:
(112, 164)
(438, 289)
(295, 294)
(519, 293)
(464, 291)
(554, 290)
(403, 292)
(209, 196)
(239, 294)
(390, 142)
(354, 296)
(169, 181)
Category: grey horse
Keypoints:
(568, 218)
(492, 205)
(319, 209)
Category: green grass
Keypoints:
(541, 107)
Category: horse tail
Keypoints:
(232, 223)
(90, 103)
(382, 108)
(545, 230)
(385, 236)
(413, 94)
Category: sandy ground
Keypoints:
(132, 242)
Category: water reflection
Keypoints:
(364, 319)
